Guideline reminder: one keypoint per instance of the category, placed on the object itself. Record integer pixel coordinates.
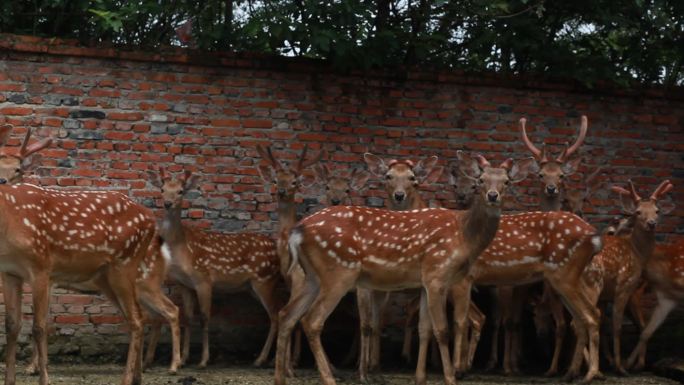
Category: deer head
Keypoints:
(337, 187)
(13, 167)
(552, 171)
(491, 182)
(644, 213)
(574, 200)
(463, 187)
(287, 179)
(173, 189)
(402, 177)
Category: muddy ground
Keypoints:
(65, 374)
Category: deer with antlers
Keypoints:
(149, 279)
(616, 271)
(552, 173)
(200, 260)
(426, 248)
(288, 181)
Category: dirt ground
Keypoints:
(63, 374)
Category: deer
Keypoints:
(615, 273)
(201, 260)
(663, 271)
(149, 281)
(288, 180)
(463, 189)
(71, 237)
(426, 248)
(552, 173)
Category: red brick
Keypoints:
(71, 319)
(21, 111)
(256, 123)
(106, 319)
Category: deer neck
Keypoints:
(643, 243)
(287, 214)
(480, 223)
(547, 203)
(172, 228)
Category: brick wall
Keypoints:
(116, 113)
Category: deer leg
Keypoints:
(300, 301)
(124, 291)
(12, 291)
(203, 290)
(157, 302)
(363, 301)
(155, 332)
(619, 304)
(460, 297)
(635, 310)
(379, 308)
(436, 302)
(424, 331)
(313, 321)
(497, 309)
(477, 320)
(32, 368)
(188, 312)
(664, 307)
(266, 291)
(41, 302)
(411, 312)
(558, 313)
(586, 316)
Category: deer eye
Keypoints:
(480, 181)
(327, 188)
(638, 212)
(561, 176)
(388, 176)
(507, 182)
(541, 175)
(348, 191)
(657, 211)
(412, 178)
(17, 170)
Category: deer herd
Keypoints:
(103, 241)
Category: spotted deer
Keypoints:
(425, 248)
(202, 260)
(617, 270)
(71, 237)
(288, 181)
(401, 180)
(664, 271)
(553, 173)
(13, 168)
(463, 189)
(533, 247)
(150, 274)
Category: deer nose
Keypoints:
(167, 205)
(335, 201)
(551, 189)
(461, 196)
(399, 196)
(493, 196)
(3, 180)
(651, 224)
(281, 191)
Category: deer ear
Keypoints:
(30, 163)
(267, 173)
(155, 179)
(307, 180)
(521, 169)
(376, 165)
(191, 182)
(426, 172)
(628, 205)
(359, 180)
(321, 172)
(571, 166)
(5, 131)
(666, 206)
(470, 167)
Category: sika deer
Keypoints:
(616, 271)
(201, 260)
(288, 181)
(426, 248)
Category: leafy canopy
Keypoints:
(589, 40)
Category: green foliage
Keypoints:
(587, 40)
